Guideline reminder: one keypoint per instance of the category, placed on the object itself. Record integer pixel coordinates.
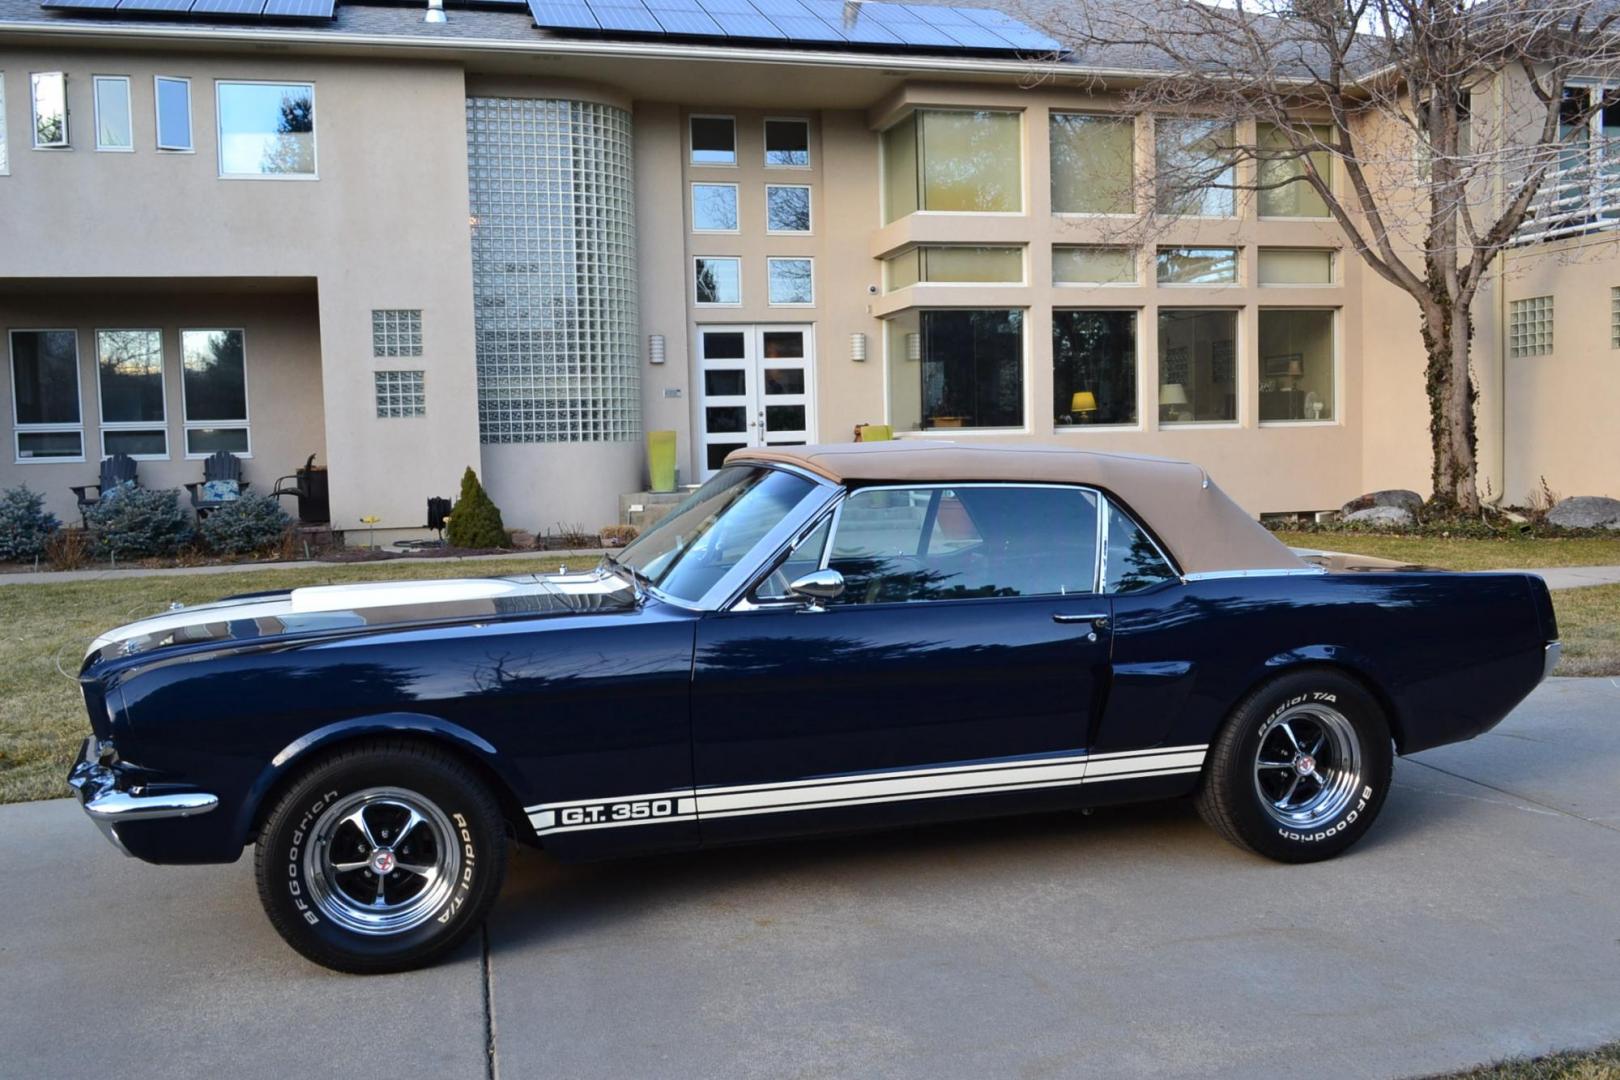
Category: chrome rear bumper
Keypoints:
(1555, 650)
(97, 785)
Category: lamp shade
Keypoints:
(1083, 401)
(1172, 394)
(1295, 368)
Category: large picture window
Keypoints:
(214, 384)
(129, 379)
(266, 129)
(956, 369)
(955, 264)
(1093, 164)
(1193, 168)
(962, 162)
(1197, 366)
(1093, 368)
(1296, 364)
(45, 395)
(1284, 191)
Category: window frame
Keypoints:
(1333, 267)
(1337, 366)
(157, 116)
(1332, 180)
(1025, 366)
(809, 207)
(691, 148)
(736, 205)
(187, 424)
(1136, 163)
(18, 428)
(1137, 314)
(1236, 210)
(771, 259)
(66, 142)
(765, 147)
(923, 281)
(1132, 252)
(1239, 343)
(314, 132)
(134, 425)
(1237, 267)
(695, 260)
(129, 111)
(916, 115)
(5, 145)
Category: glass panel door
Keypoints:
(726, 366)
(784, 385)
(757, 389)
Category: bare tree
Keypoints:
(1446, 120)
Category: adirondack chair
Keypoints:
(221, 483)
(115, 470)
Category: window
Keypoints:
(790, 281)
(400, 393)
(714, 207)
(952, 264)
(962, 162)
(1193, 168)
(904, 545)
(112, 112)
(714, 140)
(1614, 318)
(1197, 366)
(129, 378)
(1093, 265)
(5, 161)
(49, 94)
(956, 369)
(1093, 368)
(1131, 561)
(396, 332)
(1198, 266)
(173, 96)
(1296, 266)
(214, 387)
(787, 144)
(1284, 191)
(1296, 364)
(45, 395)
(266, 129)
(1530, 327)
(1093, 164)
(787, 208)
(718, 281)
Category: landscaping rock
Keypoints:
(1388, 517)
(523, 539)
(1586, 512)
(1410, 501)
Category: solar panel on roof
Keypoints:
(738, 18)
(80, 5)
(909, 28)
(797, 21)
(175, 6)
(1021, 36)
(298, 9)
(957, 24)
(686, 23)
(629, 15)
(563, 15)
(228, 7)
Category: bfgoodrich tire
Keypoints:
(381, 857)
(1300, 769)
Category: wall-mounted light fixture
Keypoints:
(655, 348)
(913, 346)
(857, 347)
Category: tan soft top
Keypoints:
(1203, 530)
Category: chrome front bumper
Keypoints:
(108, 805)
(1555, 650)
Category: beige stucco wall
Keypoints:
(283, 364)
(385, 226)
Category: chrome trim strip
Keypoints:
(1550, 657)
(120, 806)
(1217, 575)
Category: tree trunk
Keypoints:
(1451, 405)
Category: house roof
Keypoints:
(1200, 527)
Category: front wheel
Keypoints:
(1300, 769)
(381, 858)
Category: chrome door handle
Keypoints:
(1099, 622)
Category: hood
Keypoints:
(368, 606)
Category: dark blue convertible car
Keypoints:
(819, 638)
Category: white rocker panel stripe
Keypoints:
(934, 782)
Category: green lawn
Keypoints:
(1466, 554)
(1600, 1064)
(45, 628)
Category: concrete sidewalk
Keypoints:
(53, 577)
(1477, 920)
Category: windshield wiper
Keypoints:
(638, 580)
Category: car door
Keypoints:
(957, 674)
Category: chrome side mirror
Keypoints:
(818, 587)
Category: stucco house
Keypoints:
(409, 238)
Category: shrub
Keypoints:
(244, 525)
(25, 525)
(475, 521)
(618, 535)
(132, 522)
(68, 549)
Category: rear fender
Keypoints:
(1351, 661)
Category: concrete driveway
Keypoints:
(1481, 918)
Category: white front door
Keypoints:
(758, 389)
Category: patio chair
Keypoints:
(221, 483)
(115, 470)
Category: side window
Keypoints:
(805, 558)
(1132, 562)
(897, 545)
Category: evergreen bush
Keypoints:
(244, 525)
(132, 522)
(475, 521)
(25, 524)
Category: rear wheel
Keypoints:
(1300, 769)
(381, 858)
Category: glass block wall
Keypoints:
(554, 271)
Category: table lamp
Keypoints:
(1084, 402)
(1172, 396)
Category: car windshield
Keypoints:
(713, 530)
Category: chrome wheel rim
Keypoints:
(1307, 767)
(382, 861)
